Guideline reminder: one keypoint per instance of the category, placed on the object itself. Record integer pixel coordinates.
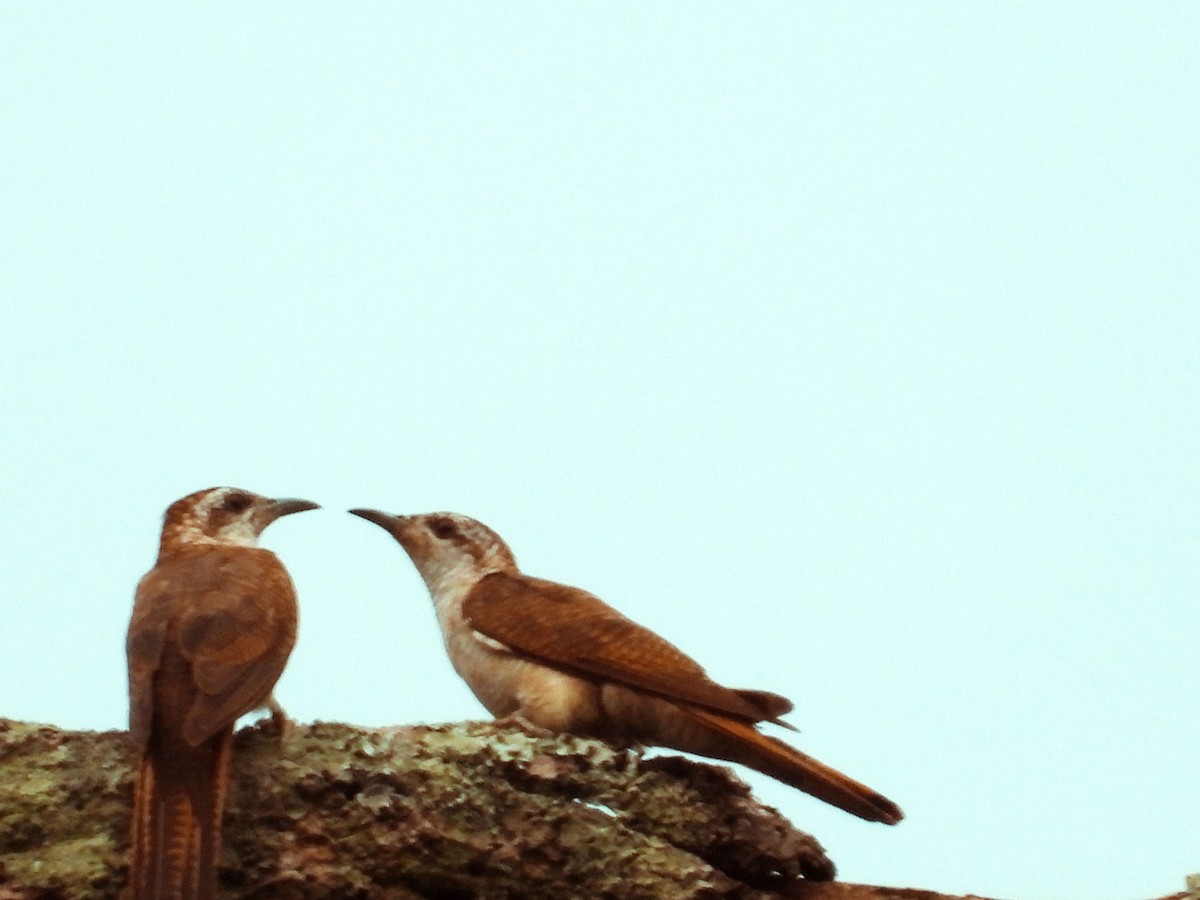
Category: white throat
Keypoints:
(241, 533)
(449, 581)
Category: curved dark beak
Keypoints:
(389, 523)
(284, 506)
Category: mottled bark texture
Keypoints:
(464, 810)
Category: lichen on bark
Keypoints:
(468, 809)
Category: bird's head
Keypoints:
(445, 547)
(224, 515)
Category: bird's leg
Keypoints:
(278, 722)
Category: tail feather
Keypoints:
(743, 743)
(179, 798)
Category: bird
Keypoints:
(560, 659)
(212, 626)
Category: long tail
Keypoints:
(178, 801)
(743, 743)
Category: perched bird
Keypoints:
(562, 659)
(213, 623)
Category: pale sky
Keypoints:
(853, 347)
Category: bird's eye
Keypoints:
(443, 528)
(237, 503)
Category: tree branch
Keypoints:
(460, 810)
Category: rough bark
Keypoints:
(462, 810)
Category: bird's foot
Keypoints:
(634, 752)
(519, 722)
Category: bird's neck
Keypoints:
(185, 539)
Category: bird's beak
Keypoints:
(391, 524)
(283, 507)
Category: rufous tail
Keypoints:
(178, 801)
(743, 743)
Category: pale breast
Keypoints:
(509, 684)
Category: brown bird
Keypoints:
(213, 623)
(562, 659)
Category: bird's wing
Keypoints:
(143, 651)
(237, 634)
(578, 632)
(238, 642)
(772, 705)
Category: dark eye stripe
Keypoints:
(237, 502)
